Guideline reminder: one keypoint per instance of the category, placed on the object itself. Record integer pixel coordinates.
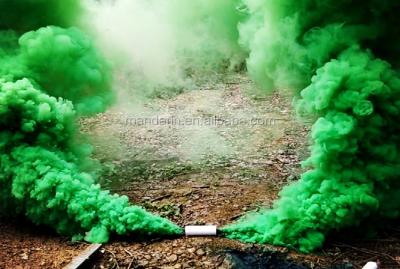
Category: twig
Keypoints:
(237, 216)
(130, 264)
(367, 251)
(161, 197)
(114, 258)
(131, 255)
(370, 259)
(128, 252)
(200, 187)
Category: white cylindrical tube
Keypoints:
(200, 230)
(371, 265)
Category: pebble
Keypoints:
(172, 258)
(200, 252)
(143, 263)
(157, 256)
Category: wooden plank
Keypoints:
(83, 256)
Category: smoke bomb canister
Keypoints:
(201, 230)
(371, 265)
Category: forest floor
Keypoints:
(226, 150)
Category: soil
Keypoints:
(198, 173)
(22, 245)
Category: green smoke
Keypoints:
(210, 36)
(26, 15)
(344, 55)
(183, 43)
(48, 76)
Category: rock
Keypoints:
(178, 266)
(186, 266)
(226, 264)
(143, 263)
(291, 178)
(207, 264)
(172, 258)
(200, 252)
(157, 256)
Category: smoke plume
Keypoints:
(167, 45)
(50, 75)
(344, 55)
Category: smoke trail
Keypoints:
(48, 76)
(344, 54)
(182, 40)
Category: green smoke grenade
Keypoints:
(48, 77)
(344, 55)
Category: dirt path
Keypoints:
(234, 164)
(197, 173)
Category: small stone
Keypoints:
(143, 263)
(178, 266)
(227, 263)
(147, 257)
(291, 178)
(200, 252)
(172, 258)
(207, 263)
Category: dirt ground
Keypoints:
(197, 173)
(23, 246)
